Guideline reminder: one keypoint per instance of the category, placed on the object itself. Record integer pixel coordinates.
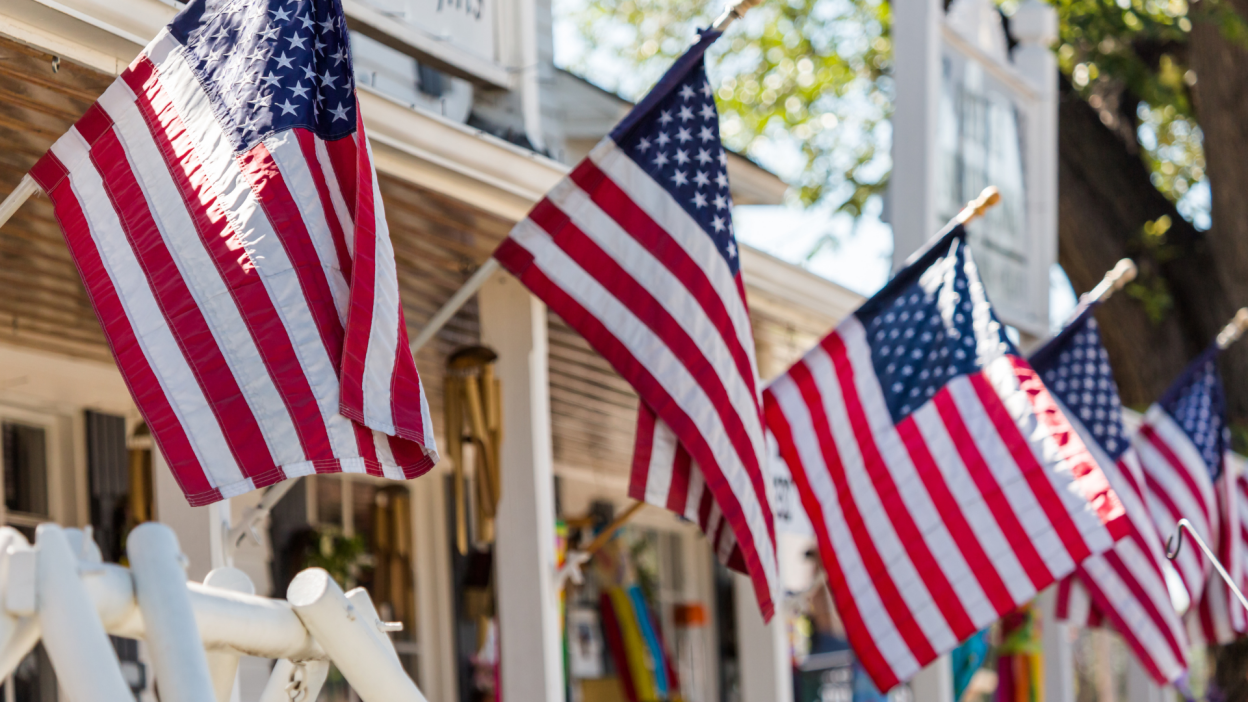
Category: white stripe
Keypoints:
(901, 569)
(1078, 604)
(661, 363)
(972, 505)
(668, 291)
(288, 156)
(389, 465)
(662, 457)
(684, 230)
(335, 197)
(255, 232)
(154, 336)
(1134, 617)
(383, 335)
(1010, 478)
(911, 488)
(1189, 456)
(1190, 564)
(1057, 455)
(861, 585)
(199, 272)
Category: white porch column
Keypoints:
(513, 323)
(911, 188)
(935, 682)
(762, 649)
(1140, 685)
(1059, 657)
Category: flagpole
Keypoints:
(734, 11)
(976, 208)
(1123, 272)
(25, 188)
(1234, 329)
(1173, 552)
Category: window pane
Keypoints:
(25, 469)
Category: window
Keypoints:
(25, 474)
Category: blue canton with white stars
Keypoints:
(676, 141)
(271, 65)
(932, 323)
(1075, 368)
(1197, 403)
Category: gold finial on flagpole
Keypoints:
(1123, 272)
(1234, 329)
(734, 11)
(977, 207)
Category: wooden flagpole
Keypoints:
(1233, 329)
(25, 188)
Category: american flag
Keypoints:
(221, 205)
(1182, 445)
(945, 486)
(635, 250)
(1126, 585)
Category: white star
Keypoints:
(679, 178)
(721, 180)
(706, 90)
(215, 55)
(701, 180)
(287, 108)
(270, 33)
(327, 79)
(643, 145)
(682, 156)
(296, 41)
(686, 114)
(297, 90)
(284, 62)
(270, 79)
(308, 72)
(704, 156)
(720, 202)
(660, 159)
(683, 134)
(338, 57)
(306, 21)
(718, 223)
(319, 46)
(699, 200)
(732, 250)
(708, 111)
(281, 16)
(665, 118)
(327, 25)
(261, 100)
(686, 91)
(258, 54)
(340, 112)
(723, 158)
(705, 134)
(663, 139)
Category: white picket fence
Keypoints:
(60, 592)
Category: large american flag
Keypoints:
(945, 486)
(635, 250)
(1126, 585)
(1182, 445)
(221, 205)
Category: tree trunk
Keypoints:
(1105, 198)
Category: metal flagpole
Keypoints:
(1172, 552)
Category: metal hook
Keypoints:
(1172, 553)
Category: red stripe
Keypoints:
(846, 605)
(643, 450)
(1107, 609)
(157, 411)
(890, 594)
(1180, 468)
(1031, 470)
(678, 489)
(882, 482)
(363, 279)
(1002, 511)
(344, 159)
(951, 516)
(1061, 608)
(405, 386)
(307, 144)
(518, 260)
(221, 242)
(649, 311)
(410, 457)
(182, 314)
(1189, 560)
(617, 204)
(270, 190)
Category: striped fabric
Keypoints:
(1126, 585)
(635, 251)
(1182, 446)
(237, 254)
(945, 486)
